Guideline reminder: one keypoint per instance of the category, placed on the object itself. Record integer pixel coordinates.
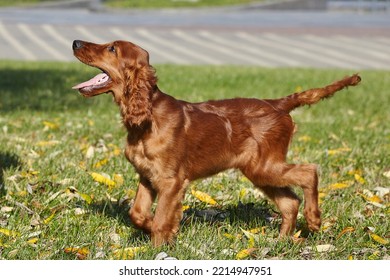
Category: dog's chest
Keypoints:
(146, 165)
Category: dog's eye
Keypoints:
(111, 49)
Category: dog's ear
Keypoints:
(140, 85)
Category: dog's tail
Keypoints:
(312, 96)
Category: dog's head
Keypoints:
(120, 63)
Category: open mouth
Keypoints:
(99, 81)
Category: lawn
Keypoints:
(66, 186)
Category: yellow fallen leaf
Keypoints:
(374, 198)
(87, 198)
(116, 150)
(340, 185)
(50, 218)
(250, 234)
(350, 257)
(344, 231)
(102, 179)
(338, 151)
(244, 179)
(328, 223)
(243, 254)
(83, 165)
(204, 197)
(127, 253)
(375, 255)
(50, 125)
(131, 193)
(33, 240)
(256, 230)
(101, 163)
(359, 178)
(21, 193)
(9, 232)
(81, 253)
(47, 143)
(369, 197)
(321, 196)
(379, 239)
(386, 174)
(243, 193)
(297, 234)
(118, 179)
(229, 236)
(185, 207)
(304, 138)
(29, 173)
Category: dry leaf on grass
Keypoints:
(102, 178)
(344, 231)
(127, 253)
(341, 185)
(101, 163)
(359, 179)
(325, 248)
(372, 198)
(48, 143)
(81, 253)
(50, 125)
(379, 239)
(204, 197)
(50, 218)
(8, 232)
(246, 253)
(338, 151)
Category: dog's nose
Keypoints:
(77, 44)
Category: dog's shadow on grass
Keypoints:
(114, 210)
(7, 161)
(242, 213)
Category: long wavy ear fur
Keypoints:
(140, 85)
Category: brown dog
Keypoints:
(172, 142)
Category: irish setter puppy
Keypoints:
(171, 142)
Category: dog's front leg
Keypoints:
(169, 212)
(141, 211)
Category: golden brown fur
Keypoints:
(172, 142)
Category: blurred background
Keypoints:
(52, 140)
(271, 33)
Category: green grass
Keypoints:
(52, 138)
(6, 3)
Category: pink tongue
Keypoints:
(97, 80)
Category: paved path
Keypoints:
(206, 36)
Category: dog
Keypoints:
(172, 142)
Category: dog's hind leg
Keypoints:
(274, 180)
(288, 204)
(305, 176)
